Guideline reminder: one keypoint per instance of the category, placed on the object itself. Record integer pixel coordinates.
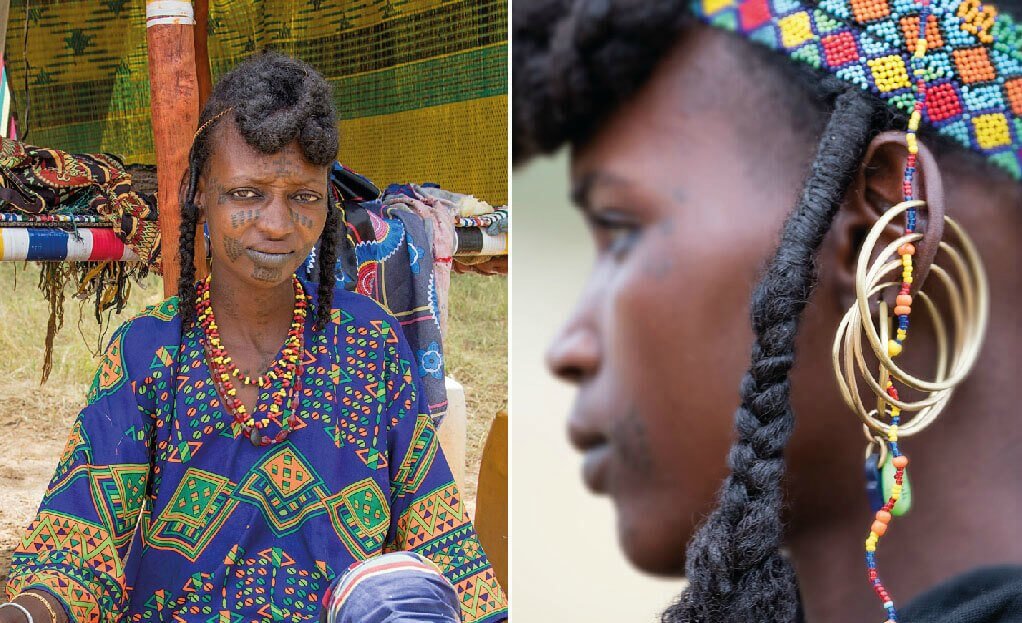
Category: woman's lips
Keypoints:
(270, 260)
(595, 467)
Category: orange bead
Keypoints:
(883, 516)
(879, 527)
(902, 310)
(904, 299)
(907, 249)
(901, 462)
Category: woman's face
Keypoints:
(684, 189)
(264, 211)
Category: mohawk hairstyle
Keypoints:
(273, 100)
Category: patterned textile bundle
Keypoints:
(387, 255)
(399, 587)
(37, 184)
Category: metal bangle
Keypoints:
(24, 610)
(49, 608)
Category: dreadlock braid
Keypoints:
(327, 262)
(734, 566)
(273, 100)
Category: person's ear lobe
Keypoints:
(879, 185)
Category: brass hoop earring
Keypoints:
(968, 293)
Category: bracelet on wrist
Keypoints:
(46, 604)
(24, 610)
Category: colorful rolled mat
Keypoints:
(14, 219)
(43, 244)
(475, 241)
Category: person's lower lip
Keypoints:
(595, 467)
(271, 260)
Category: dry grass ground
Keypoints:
(35, 419)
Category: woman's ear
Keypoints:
(879, 185)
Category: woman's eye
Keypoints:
(614, 235)
(307, 197)
(244, 193)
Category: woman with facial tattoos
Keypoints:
(795, 382)
(249, 440)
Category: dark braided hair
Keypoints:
(273, 100)
(734, 566)
(575, 63)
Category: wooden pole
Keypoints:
(202, 69)
(174, 98)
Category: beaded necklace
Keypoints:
(282, 408)
(902, 309)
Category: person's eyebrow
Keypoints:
(582, 188)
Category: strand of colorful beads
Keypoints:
(285, 371)
(902, 309)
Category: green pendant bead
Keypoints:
(904, 503)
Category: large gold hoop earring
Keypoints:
(969, 299)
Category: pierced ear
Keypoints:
(878, 186)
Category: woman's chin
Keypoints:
(652, 546)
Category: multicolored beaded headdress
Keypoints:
(969, 74)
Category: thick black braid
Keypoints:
(186, 239)
(327, 262)
(273, 100)
(734, 566)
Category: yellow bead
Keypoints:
(913, 147)
(893, 348)
(921, 44)
(907, 279)
(896, 491)
(913, 122)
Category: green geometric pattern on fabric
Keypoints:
(194, 514)
(78, 450)
(419, 459)
(360, 514)
(111, 374)
(118, 492)
(271, 583)
(285, 488)
(165, 310)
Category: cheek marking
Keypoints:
(221, 194)
(632, 442)
(267, 274)
(233, 247)
(664, 264)
(301, 219)
(244, 217)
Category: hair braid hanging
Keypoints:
(734, 566)
(327, 263)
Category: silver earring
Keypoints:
(205, 234)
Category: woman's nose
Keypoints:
(276, 221)
(574, 353)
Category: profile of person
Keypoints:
(852, 167)
(248, 440)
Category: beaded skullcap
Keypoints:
(972, 65)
